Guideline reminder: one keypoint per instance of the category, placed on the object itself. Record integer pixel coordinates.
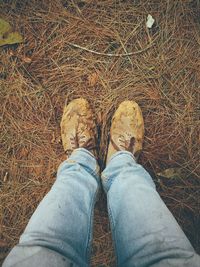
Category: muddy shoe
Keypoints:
(127, 130)
(78, 128)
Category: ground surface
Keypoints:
(162, 75)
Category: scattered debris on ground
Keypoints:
(104, 51)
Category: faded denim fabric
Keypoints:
(144, 231)
(63, 220)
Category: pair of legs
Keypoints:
(144, 231)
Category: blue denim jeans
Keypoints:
(144, 231)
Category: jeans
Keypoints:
(144, 231)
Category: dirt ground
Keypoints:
(102, 51)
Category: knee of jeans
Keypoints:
(68, 165)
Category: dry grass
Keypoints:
(38, 75)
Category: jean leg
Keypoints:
(144, 231)
(63, 220)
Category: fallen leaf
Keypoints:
(4, 27)
(153, 94)
(92, 79)
(171, 173)
(23, 152)
(27, 59)
(6, 36)
(12, 38)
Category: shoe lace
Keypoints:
(81, 142)
(124, 143)
(74, 144)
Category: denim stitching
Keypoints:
(112, 226)
(90, 227)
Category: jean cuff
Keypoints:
(119, 153)
(118, 162)
(86, 159)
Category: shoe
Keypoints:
(78, 128)
(127, 130)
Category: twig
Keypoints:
(78, 9)
(124, 48)
(109, 55)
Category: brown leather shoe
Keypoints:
(127, 130)
(78, 128)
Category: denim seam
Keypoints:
(112, 223)
(113, 231)
(90, 227)
(108, 181)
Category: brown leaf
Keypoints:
(27, 59)
(92, 79)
